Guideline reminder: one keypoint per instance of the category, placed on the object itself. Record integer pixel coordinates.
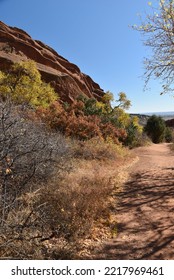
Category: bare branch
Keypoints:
(158, 34)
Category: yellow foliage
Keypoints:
(2, 76)
(23, 83)
(122, 117)
(105, 108)
(108, 97)
(135, 122)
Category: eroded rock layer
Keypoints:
(67, 79)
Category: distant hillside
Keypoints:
(164, 115)
(66, 78)
(167, 116)
(170, 123)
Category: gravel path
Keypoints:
(145, 211)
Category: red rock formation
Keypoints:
(170, 123)
(69, 82)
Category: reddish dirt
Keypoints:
(145, 211)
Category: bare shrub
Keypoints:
(29, 157)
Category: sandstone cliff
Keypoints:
(67, 79)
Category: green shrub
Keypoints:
(169, 134)
(155, 129)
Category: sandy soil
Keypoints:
(145, 211)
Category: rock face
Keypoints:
(170, 123)
(67, 79)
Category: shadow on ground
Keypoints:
(145, 218)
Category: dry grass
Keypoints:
(85, 203)
(98, 149)
(62, 218)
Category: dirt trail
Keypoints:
(145, 212)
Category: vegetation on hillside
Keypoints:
(23, 85)
(83, 119)
(54, 191)
(58, 165)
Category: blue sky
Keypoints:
(95, 35)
